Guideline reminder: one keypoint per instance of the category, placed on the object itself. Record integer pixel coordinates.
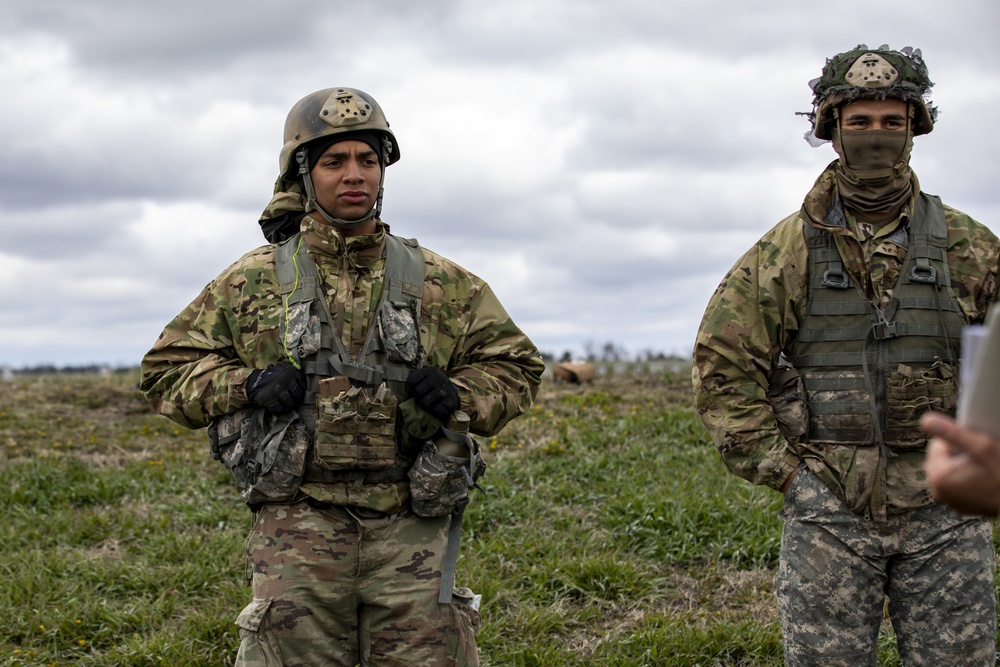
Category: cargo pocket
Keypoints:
(356, 429)
(303, 331)
(840, 412)
(399, 331)
(465, 624)
(258, 647)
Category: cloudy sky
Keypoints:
(601, 164)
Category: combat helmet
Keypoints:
(330, 112)
(327, 114)
(878, 74)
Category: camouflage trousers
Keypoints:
(837, 569)
(339, 588)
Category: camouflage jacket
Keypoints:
(198, 367)
(754, 315)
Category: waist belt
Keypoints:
(315, 473)
(356, 512)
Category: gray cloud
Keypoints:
(601, 165)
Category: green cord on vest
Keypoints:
(295, 286)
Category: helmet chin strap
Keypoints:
(302, 157)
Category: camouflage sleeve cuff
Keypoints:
(781, 474)
(238, 388)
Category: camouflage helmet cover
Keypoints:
(879, 74)
(330, 112)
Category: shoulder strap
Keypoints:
(299, 282)
(929, 232)
(403, 289)
(286, 266)
(404, 277)
(404, 266)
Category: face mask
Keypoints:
(873, 174)
(872, 154)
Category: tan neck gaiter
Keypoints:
(873, 173)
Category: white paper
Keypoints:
(972, 339)
(979, 394)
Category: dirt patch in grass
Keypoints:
(110, 549)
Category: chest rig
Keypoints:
(377, 374)
(870, 372)
(363, 446)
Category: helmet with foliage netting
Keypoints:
(872, 74)
(330, 112)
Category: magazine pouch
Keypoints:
(913, 392)
(355, 428)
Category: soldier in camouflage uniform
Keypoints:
(815, 359)
(339, 370)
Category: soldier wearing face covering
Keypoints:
(818, 354)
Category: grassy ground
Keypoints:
(611, 535)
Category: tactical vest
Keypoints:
(354, 425)
(869, 373)
(361, 442)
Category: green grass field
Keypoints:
(611, 536)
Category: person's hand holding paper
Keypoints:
(963, 456)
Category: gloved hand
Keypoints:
(279, 388)
(433, 391)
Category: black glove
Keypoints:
(278, 388)
(433, 391)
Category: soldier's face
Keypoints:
(346, 178)
(874, 115)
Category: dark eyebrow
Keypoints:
(340, 155)
(859, 115)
